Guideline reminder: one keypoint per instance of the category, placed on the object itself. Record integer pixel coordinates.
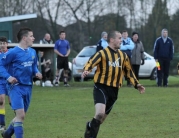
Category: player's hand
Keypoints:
(141, 88)
(84, 74)
(12, 80)
(38, 75)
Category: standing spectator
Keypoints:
(111, 65)
(3, 89)
(47, 39)
(23, 62)
(163, 53)
(102, 43)
(127, 46)
(137, 54)
(62, 49)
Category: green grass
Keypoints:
(60, 112)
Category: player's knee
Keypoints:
(1, 102)
(100, 117)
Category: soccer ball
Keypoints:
(37, 83)
(48, 83)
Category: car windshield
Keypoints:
(87, 52)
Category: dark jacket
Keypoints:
(163, 50)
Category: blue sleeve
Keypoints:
(35, 66)
(128, 46)
(4, 61)
(68, 45)
(172, 50)
(56, 45)
(156, 50)
(131, 45)
(123, 47)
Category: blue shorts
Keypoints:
(3, 89)
(20, 96)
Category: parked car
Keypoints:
(148, 70)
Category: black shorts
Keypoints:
(106, 95)
(62, 63)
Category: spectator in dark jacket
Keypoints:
(137, 58)
(163, 53)
(102, 43)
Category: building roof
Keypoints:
(18, 17)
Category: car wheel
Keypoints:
(69, 76)
(153, 74)
(77, 79)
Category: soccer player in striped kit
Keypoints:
(112, 64)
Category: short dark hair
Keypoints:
(112, 34)
(61, 32)
(23, 32)
(124, 31)
(3, 39)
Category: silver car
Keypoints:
(148, 70)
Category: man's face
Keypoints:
(29, 39)
(3, 46)
(62, 36)
(105, 37)
(41, 54)
(117, 41)
(165, 34)
(47, 37)
(124, 35)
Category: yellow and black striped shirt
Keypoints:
(111, 67)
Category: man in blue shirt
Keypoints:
(3, 89)
(102, 43)
(23, 62)
(62, 49)
(163, 53)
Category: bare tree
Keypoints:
(14, 7)
(49, 10)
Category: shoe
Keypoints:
(66, 85)
(2, 128)
(4, 135)
(56, 83)
(87, 131)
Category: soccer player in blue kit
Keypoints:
(3, 89)
(23, 62)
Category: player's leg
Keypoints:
(59, 62)
(65, 72)
(3, 92)
(65, 79)
(20, 97)
(100, 100)
(2, 111)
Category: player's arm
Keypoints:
(68, 51)
(131, 76)
(4, 61)
(36, 72)
(92, 62)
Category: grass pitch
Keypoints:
(60, 112)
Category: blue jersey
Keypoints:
(23, 64)
(3, 80)
(62, 46)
